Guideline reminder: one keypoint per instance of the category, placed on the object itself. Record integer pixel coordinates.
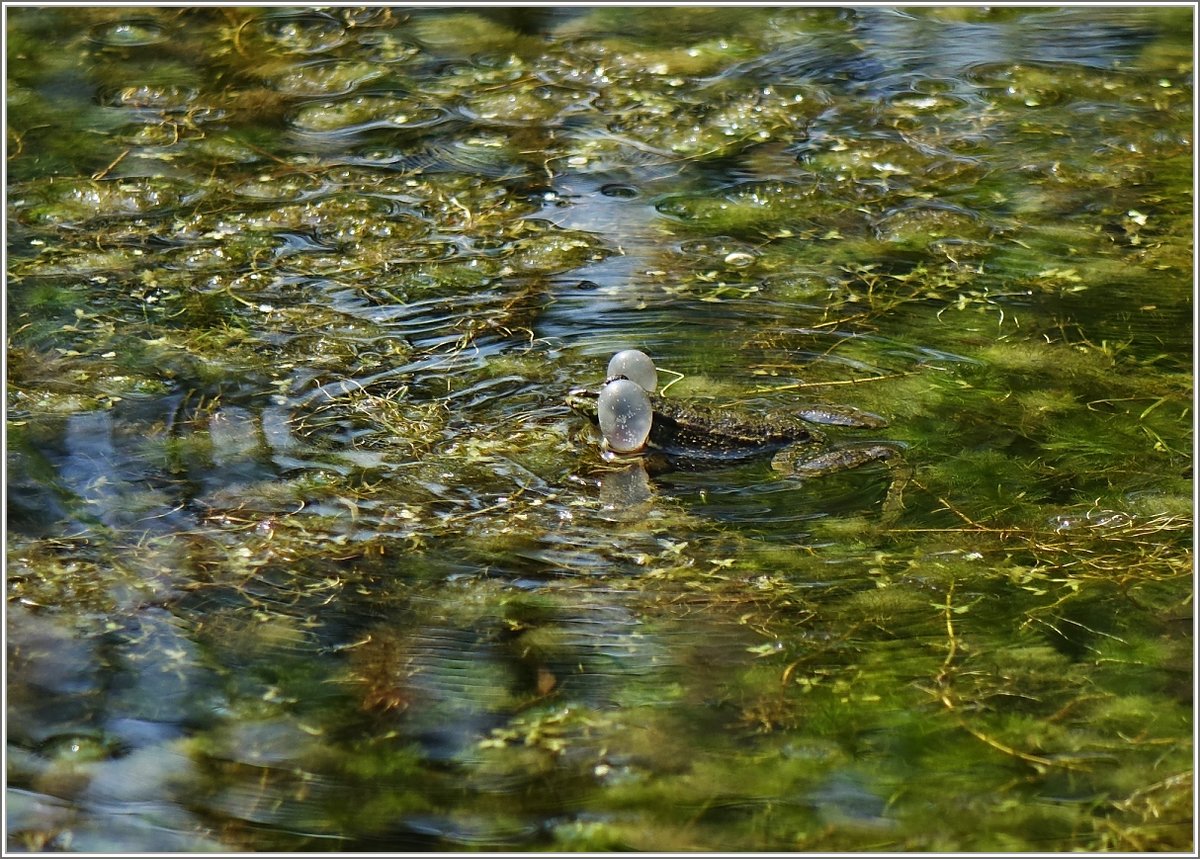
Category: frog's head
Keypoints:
(629, 364)
(621, 409)
(585, 401)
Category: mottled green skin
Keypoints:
(705, 433)
(683, 429)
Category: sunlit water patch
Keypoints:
(307, 551)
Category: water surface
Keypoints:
(306, 553)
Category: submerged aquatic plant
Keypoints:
(305, 551)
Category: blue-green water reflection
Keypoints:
(306, 552)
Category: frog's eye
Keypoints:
(636, 366)
(625, 415)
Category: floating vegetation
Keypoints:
(360, 113)
(306, 551)
(322, 77)
(66, 202)
(289, 33)
(129, 33)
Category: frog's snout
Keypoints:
(577, 397)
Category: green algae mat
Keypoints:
(306, 551)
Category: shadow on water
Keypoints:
(306, 551)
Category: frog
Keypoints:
(695, 434)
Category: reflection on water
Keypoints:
(626, 492)
(306, 552)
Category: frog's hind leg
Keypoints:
(832, 461)
(841, 416)
(844, 458)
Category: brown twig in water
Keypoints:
(114, 163)
(796, 386)
(945, 695)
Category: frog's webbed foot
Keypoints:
(841, 416)
(793, 463)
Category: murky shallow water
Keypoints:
(305, 551)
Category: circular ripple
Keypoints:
(513, 106)
(130, 33)
(324, 77)
(294, 34)
(919, 224)
(384, 46)
(286, 188)
(75, 200)
(923, 103)
(619, 191)
(156, 97)
(480, 153)
(363, 112)
(1026, 85)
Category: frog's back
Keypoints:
(688, 429)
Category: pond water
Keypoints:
(306, 551)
